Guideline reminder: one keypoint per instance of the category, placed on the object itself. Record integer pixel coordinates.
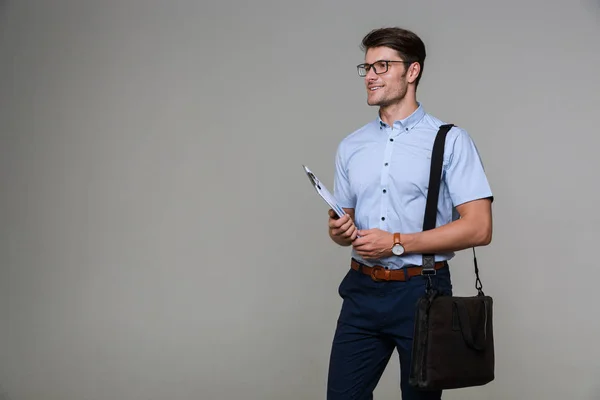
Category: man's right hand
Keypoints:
(342, 230)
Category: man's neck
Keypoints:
(398, 111)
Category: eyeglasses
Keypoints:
(379, 67)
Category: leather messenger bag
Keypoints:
(453, 345)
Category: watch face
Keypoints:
(397, 249)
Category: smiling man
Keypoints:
(381, 180)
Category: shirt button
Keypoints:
(384, 190)
(383, 218)
(406, 128)
(391, 140)
(386, 164)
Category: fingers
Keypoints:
(364, 250)
(343, 227)
(364, 238)
(361, 252)
(350, 233)
(339, 222)
(362, 243)
(346, 231)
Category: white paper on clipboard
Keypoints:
(324, 193)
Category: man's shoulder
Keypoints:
(433, 124)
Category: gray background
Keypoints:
(159, 238)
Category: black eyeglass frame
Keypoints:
(367, 67)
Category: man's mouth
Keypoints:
(373, 88)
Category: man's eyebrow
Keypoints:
(376, 61)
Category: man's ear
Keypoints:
(413, 72)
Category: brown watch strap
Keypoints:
(397, 238)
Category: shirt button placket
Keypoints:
(385, 178)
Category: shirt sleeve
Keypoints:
(341, 184)
(465, 175)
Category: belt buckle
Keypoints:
(376, 268)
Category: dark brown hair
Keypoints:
(409, 46)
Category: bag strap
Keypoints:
(435, 175)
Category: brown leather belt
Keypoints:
(379, 273)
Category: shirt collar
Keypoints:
(407, 123)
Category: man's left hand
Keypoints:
(373, 243)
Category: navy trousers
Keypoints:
(375, 319)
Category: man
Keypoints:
(381, 180)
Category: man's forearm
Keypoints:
(458, 235)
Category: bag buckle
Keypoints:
(428, 266)
(428, 271)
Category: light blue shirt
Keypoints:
(382, 172)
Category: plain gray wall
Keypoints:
(160, 240)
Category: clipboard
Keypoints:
(324, 193)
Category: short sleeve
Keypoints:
(465, 175)
(341, 184)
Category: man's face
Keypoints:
(387, 88)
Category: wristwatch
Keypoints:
(397, 249)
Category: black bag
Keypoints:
(453, 345)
